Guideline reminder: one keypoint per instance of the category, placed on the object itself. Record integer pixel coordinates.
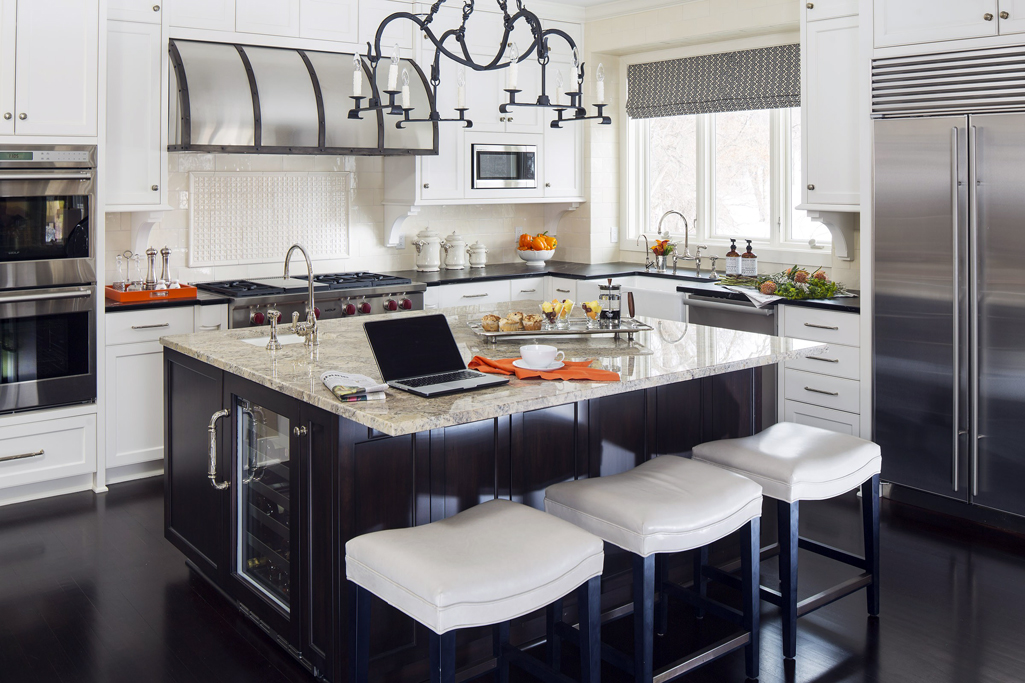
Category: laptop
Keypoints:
(418, 354)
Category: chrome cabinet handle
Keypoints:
(810, 5)
(564, 291)
(822, 327)
(8, 116)
(22, 456)
(973, 296)
(474, 296)
(824, 360)
(211, 472)
(987, 16)
(811, 186)
(299, 431)
(527, 291)
(820, 391)
(155, 188)
(427, 186)
(210, 328)
(1005, 15)
(150, 327)
(955, 209)
(23, 116)
(548, 184)
(156, 8)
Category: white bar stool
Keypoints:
(669, 505)
(796, 462)
(484, 566)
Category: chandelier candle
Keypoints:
(393, 70)
(405, 90)
(357, 76)
(461, 88)
(600, 90)
(512, 76)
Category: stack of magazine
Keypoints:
(350, 387)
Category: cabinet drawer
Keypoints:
(48, 449)
(824, 418)
(830, 9)
(822, 390)
(212, 318)
(837, 361)
(473, 293)
(532, 288)
(831, 327)
(125, 327)
(562, 288)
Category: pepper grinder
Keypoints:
(151, 278)
(165, 276)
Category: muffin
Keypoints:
(508, 325)
(490, 322)
(532, 321)
(516, 317)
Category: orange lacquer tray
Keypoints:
(185, 292)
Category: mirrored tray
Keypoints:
(577, 328)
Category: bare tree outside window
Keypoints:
(672, 170)
(802, 228)
(743, 164)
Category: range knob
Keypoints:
(364, 307)
(391, 305)
(406, 304)
(349, 309)
(257, 318)
(316, 312)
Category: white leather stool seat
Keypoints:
(494, 562)
(796, 462)
(669, 504)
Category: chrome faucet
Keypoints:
(307, 330)
(648, 263)
(686, 232)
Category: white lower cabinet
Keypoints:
(824, 418)
(561, 288)
(44, 449)
(473, 293)
(527, 289)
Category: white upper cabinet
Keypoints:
(216, 15)
(400, 32)
(8, 42)
(146, 11)
(136, 150)
(904, 22)
(268, 17)
(56, 63)
(829, 112)
(830, 9)
(563, 154)
(336, 20)
(1012, 16)
(442, 176)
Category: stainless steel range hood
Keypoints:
(245, 99)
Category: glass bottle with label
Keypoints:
(749, 262)
(733, 259)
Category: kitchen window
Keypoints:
(734, 174)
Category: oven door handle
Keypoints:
(64, 175)
(21, 298)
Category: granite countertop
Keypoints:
(203, 299)
(673, 352)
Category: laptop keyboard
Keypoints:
(439, 379)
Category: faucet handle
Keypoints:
(697, 250)
(273, 344)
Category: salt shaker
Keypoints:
(165, 275)
(151, 259)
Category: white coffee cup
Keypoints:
(540, 355)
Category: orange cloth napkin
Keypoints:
(571, 370)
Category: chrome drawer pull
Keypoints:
(564, 291)
(150, 327)
(474, 296)
(22, 456)
(820, 391)
(822, 327)
(527, 291)
(209, 328)
(824, 360)
(211, 473)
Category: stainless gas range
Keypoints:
(338, 295)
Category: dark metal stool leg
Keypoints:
(700, 582)
(870, 522)
(499, 639)
(751, 571)
(589, 609)
(644, 617)
(662, 574)
(359, 633)
(788, 531)
(553, 646)
(443, 657)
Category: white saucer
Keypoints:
(523, 366)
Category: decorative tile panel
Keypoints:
(238, 218)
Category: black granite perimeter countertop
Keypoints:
(203, 299)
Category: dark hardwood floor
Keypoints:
(91, 591)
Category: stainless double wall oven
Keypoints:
(47, 276)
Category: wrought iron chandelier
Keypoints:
(398, 103)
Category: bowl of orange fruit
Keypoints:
(536, 249)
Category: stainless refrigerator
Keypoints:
(949, 325)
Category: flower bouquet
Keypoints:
(793, 283)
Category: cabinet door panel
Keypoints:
(441, 176)
(135, 395)
(146, 11)
(830, 113)
(830, 9)
(329, 20)
(372, 13)
(57, 62)
(525, 119)
(135, 155)
(267, 17)
(8, 42)
(216, 15)
(1015, 21)
(905, 22)
(546, 449)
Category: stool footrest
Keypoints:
(831, 552)
(720, 576)
(720, 610)
(702, 656)
(833, 594)
(608, 653)
(533, 666)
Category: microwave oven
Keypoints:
(504, 166)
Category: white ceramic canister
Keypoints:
(455, 252)
(478, 254)
(428, 250)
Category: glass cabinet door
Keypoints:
(263, 519)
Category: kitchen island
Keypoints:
(297, 472)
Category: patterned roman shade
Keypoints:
(766, 78)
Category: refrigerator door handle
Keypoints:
(973, 281)
(955, 212)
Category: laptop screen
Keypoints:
(414, 346)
